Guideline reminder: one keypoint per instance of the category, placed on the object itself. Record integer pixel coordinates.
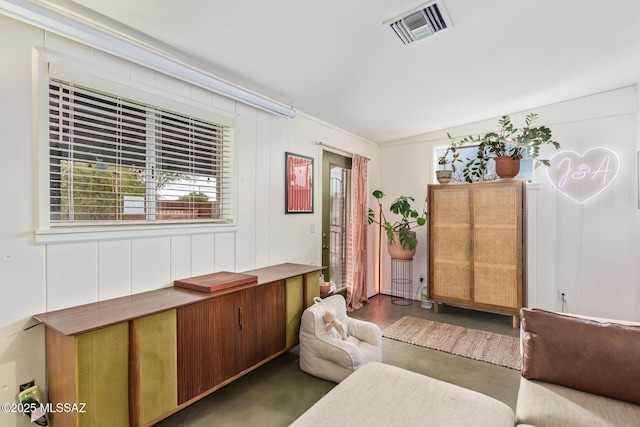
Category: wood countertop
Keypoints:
(282, 271)
(88, 317)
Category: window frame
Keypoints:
(49, 65)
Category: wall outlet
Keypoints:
(563, 295)
(421, 278)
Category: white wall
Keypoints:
(590, 250)
(38, 278)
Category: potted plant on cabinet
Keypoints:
(402, 242)
(507, 147)
(444, 175)
(511, 144)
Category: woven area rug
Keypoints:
(498, 349)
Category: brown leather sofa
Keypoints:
(578, 371)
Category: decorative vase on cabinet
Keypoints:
(444, 176)
(507, 167)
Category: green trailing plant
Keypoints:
(444, 160)
(508, 141)
(409, 218)
(474, 168)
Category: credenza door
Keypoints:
(220, 337)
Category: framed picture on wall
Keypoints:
(299, 184)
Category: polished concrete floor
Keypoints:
(278, 392)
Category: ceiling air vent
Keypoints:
(419, 23)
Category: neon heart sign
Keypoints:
(581, 177)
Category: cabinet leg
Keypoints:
(437, 307)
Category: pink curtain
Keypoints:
(357, 243)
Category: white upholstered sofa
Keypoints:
(577, 372)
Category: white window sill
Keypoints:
(78, 234)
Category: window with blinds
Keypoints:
(113, 159)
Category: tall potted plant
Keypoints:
(402, 242)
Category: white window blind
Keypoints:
(113, 159)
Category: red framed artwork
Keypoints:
(299, 184)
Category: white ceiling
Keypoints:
(335, 60)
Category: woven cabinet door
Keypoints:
(498, 244)
(449, 243)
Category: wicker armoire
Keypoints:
(477, 246)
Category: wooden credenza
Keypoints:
(477, 245)
(136, 360)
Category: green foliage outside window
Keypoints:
(88, 192)
(194, 196)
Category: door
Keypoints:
(336, 204)
(262, 323)
(208, 346)
(497, 244)
(450, 254)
